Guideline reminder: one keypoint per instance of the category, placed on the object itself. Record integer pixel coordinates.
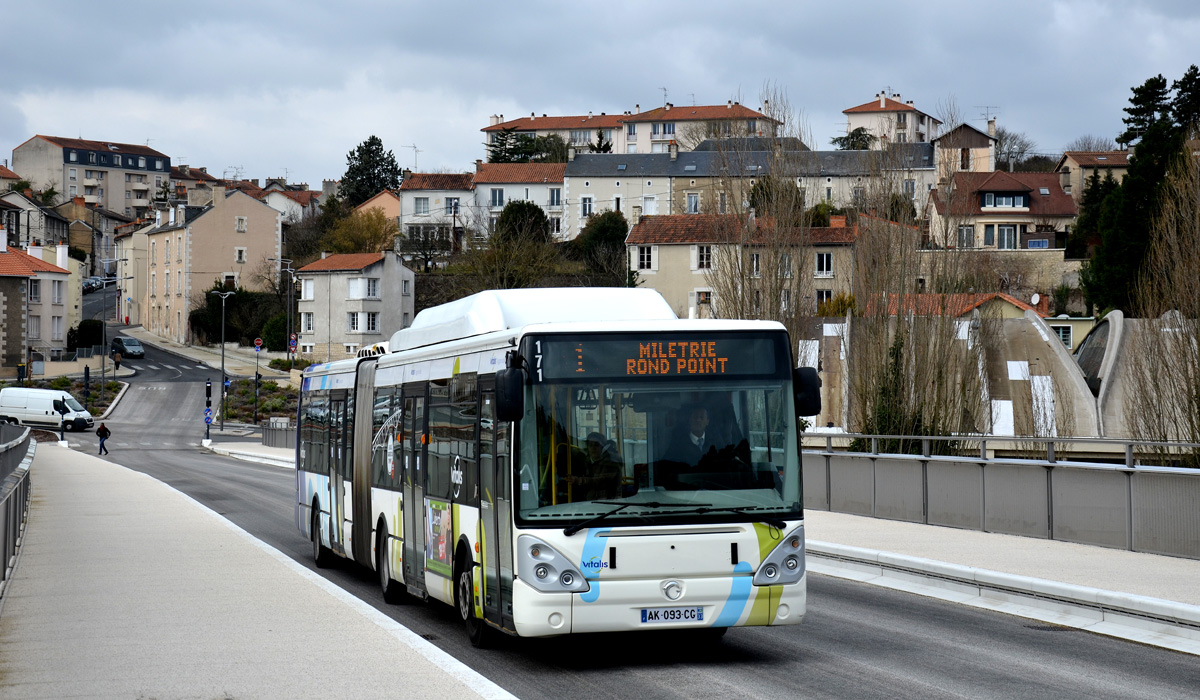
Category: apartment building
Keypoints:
(352, 301)
(48, 305)
(892, 120)
(120, 177)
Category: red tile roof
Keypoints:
(437, 181)
(1055, 203)
(519, 172)
(696, 113)
(889, 105)
(192, 174)
(1099, 159)
(7, 174)
(302, 197)
(533, 123)
(18, 263)
(343, 262)
(86, 145)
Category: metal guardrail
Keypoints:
(279, 433)
(16, 454)
(996, 485)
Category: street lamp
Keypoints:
(104, 317)
(224, 296)
(286, 266)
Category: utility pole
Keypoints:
(224, 379)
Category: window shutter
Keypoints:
(695, 251)
(989, 234)
(654, 258)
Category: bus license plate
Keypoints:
(652, 615)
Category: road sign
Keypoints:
(293, 337)
(227, 383)
(208, 412)
(208, 420)
(258, 342)
(293, 343)
(257, 349)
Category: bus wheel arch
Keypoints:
(464, 596)
(322, 556)
(393, 591)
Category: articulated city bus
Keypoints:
(558, 461)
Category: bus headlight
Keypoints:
(543, 568)
(785, 563)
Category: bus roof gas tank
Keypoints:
(502, 309)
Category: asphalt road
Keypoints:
(858, 641)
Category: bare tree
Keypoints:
(1012, 147)
(1090, 142)
(1164, 372)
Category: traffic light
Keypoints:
(208, 393)
(257, 380)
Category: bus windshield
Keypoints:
(675, 447)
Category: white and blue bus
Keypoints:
(555, 461)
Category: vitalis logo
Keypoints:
(456, 475)
(594, 563)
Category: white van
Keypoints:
(43, 408)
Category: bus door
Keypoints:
(488, 507)
(337, 484)
(358, 462)
(414, 492)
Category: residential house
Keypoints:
(131, 248)
(72, 299)
(14, 290)
(1075, 168)
(352, 301)
(655, 130)
(230, 241)
(91, 229)
(497, 184)
(185, 178)
(1001, 210)
(678, 255)
(7, 178)
(33, 223)
(965, 149)
(117, 176)
(296, 205)
(10, 217)
(431, 210)
(46, 305)
(891, 120)
(577, 131)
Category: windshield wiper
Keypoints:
(773, 522)
(568, 531)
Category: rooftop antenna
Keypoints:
(664, 94)
(988, 111)
(235, 169)
(415, 152)
(693, 99)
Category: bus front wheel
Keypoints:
(477, 629)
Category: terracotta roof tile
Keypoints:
(437, 181)
(889, 105)
(18, 263)
(697, 113)
(343, 262)
(1100, 159)
(302, 197)
(953, 305)
(86, 145)
(519, 172)
(585, 121)
(673, 229)
(7, 174)
(191, 174)
(1054, 203)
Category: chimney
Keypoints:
(78, 201)
(589, 114)
(493, 120)
(171, 216)
(478, 164)
(766, 106)
(669, 106)
(992, 127)
(531, 116)
(185, 170)
(28, 193)
(218, 194)
(180, 214)
(673, 148)
(61, 258)
(729, 104)
(570, 153)
(637, 109)
(204, 169)
(882, 99)
(324, 254)
(637, 214)
(837, 221)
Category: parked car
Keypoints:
(43, 407)
(128, 347)
(91, 284)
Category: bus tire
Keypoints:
(477, 629)
(322, 556)
(393, 591)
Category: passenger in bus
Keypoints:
(600, 476)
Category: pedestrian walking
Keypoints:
(116, 362)
(103, 432)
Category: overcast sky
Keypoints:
(268, 88)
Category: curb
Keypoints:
(252, 457)
(1153, 621)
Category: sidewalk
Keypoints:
(239, 361)
(127, 588)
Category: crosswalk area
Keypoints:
(158, 366)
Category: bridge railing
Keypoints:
(16, 454)
(1097, 492)
(279, 432)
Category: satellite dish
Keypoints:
(1036, 298)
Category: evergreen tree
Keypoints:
(602, 144)
(369, 171)
(1147, 106)
(601, 246)
(501, 147)
(1185, 109)
(858, 140)
(1087, 226)
(523, 220)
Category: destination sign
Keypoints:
(666, 355)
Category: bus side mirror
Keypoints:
(807, 387)
(510, 394)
